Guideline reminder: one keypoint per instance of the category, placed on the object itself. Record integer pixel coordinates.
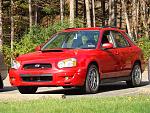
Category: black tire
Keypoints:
(1, 83)
(27, 89)
(136, 76)
(65, 87)
(92, 80)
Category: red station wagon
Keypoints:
(80, 57)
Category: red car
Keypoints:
(80, 57)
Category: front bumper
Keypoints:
(65, 77)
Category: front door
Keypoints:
(110, 59)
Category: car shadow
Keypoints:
(8, 88)
(103, 88)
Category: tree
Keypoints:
(62, 10)
(93, 12)
(1, 25)
(88, 13)
(30, 14)
(126, 18)
(71, 13)
(36, 12)
(12, 28)
(111, 21)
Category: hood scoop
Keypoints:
(52, 50)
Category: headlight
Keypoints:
(71, 62)
(15, 64)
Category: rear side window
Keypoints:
(119, 39)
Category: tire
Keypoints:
(92, 80)
(27, 89)
(136, 76)
(65, 87)
(1, 83)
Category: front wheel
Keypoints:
(136, 76)
(27, 89)
(92, 80)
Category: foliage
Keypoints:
(125, 104)
(35, 37)
(144, 44)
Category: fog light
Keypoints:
(66, 78)
(12, 79)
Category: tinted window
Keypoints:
(120, 41)
(75, 39)
(107, 38)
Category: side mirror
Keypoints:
(107, 46)
(38, 48)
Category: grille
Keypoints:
(42, 78)
(37, 66)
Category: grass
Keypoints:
(135, 104)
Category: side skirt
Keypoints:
(115, 79)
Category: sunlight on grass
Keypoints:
(135, 104)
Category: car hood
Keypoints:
(51, 54)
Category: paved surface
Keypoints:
(111, 89)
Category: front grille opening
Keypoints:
(37, 79)
(37, 66)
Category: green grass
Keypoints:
(135, 104)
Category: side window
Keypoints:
(120, 41)
(107, 38)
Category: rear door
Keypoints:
(124, 53)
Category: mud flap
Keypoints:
(1, 83)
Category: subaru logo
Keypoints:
(37, 65)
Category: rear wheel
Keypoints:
(27, 89)
(65, 87)
(92, 80)
(1, 82)
(136, 76)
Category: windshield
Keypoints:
(75, 39)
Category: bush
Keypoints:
(144, 44)
(36, 36)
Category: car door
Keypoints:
(110, 59)
(123, 47)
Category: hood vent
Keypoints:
(52, 50)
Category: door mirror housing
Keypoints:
(107, 46)
(38, 48)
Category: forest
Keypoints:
(24, 24)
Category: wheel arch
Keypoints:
(95, 63)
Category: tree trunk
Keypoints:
(71, 13)
(111, 20)
(88, 13)
(1, 25)
(12, 28)
(126, 18)
(134, 15)
(36, 13)
(30, 14)
(62, 11)
(93, 10)
(77, 8)
(103, 12)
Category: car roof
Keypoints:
(93, 28)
